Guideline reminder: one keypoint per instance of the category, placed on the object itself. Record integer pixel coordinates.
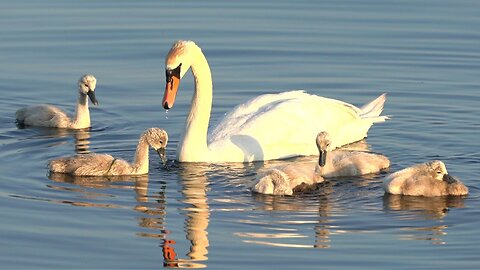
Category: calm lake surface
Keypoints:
(424, 54)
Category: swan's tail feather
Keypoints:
(374, 108)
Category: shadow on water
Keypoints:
(411, 208)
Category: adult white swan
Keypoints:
(270, 126)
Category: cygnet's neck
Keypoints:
(328, 167)
(194, 138)
(140, 162)
(82, 113)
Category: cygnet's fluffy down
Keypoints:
(106, 165)
(427, 179)
(339, 163)
(50, 116)
(285, 180)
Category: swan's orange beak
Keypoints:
(173, 80)
(170, 92)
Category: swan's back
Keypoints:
(288, 121)
(42, 115)
(90, 165)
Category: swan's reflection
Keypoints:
(429, 208)
(194, 187)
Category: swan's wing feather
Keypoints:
(271, 120)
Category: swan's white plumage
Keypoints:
(281, 124)
(270, 126)
(105, 165)
(45, 115)
(426, 179)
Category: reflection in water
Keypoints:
(194, 182)
(194, 187)
(429, 208)
(112, 182)
(81, 136)
(82, 141)
(302, 209)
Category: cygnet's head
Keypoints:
(438, 171)
(157, 138)
(323, 144)
(86, 86)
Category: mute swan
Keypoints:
(50, 116)
(426, 179)
(284, 180)
(270, 126)
(106, 165)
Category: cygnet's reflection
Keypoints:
(90, 187)
(81, 136)
(82, 141)
(307, 208)
(411, 208)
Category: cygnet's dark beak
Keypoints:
(449, 179)
(91, 95)
(322, 157)
(163, 156)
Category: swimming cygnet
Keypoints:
(106, 165)
(340, 163)
(284, 180)
(427, 179)
(50, 116)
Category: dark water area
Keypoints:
(424, 55)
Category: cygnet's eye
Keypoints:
(161, 142)
(439, 172)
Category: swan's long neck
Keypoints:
(82, 113)
(194, 138)
(140, 163)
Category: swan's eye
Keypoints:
(169, 73)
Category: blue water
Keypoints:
(424, 54)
